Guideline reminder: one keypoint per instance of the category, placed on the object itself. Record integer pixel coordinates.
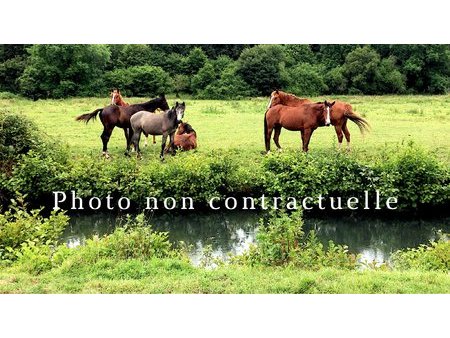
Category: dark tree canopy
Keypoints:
(223, 70)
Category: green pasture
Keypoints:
(176, 276)
(238, 124)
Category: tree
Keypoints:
(194, 61)
(426, 67)
(306, 80)
(388, 78)
(204, 77)
(261, 67)
(134, 55)
(297, 54)
(360, 68)
(146, 81)
(230, 85)
(62, 70)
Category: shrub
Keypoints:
(140, 80)
(416, 177)
(134, 240)
(434, 256)
(306, 80)
(55, 71)
(230, 85)
(282, 242)
(21, 231)
(261, 67)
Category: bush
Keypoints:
(133, 240)
(204, 77)
(140, 81)
(21, 231)
(416, 177)
(229, 86)
(31, 161)
(56, 71)
(282, 242)
(432, 257)
(261, 67)
(306, 80)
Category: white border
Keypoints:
(224, 316)
(231, 21)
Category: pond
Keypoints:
(233, 232)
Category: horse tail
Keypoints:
(89, 116)
(362, 123)
(265, 127)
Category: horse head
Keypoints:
(115, 96)
(328, 108)
(274, 99)
(179, 110)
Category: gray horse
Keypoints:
(157, 124)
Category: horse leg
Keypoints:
(163, 146)
(347, 134)
(171, 143)
(126, 131)
(135, 140)
(339, 135)
(276, 136)
(107, 131)
(146, 140)
(154, 139)
(268, 136)
(306, 137)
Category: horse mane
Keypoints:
(290, 96)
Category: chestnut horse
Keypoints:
(341, 112)
(112, 116)
(185, 137)
(306, 118)
(117, 99)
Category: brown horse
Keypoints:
(185, 137)
(306, 118)
(112, 116)
(341, 112)
(117, 99)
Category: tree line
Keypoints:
(223, 71)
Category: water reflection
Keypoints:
(233, 232)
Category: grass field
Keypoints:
(239, 124)
(176, 276)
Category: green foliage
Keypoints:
(62, 70)
(416, 177)
(306, 80)
(134, 55)
(282, 242)
(432, 257)
(31, 161)
(134, 240)
(145, 81)
(229, 86)
(194, 61)
(203, 78)
(56, 71)
(17, 136)
(262, 67)
(336, 81)
(22, 231)
(388, 78)
(298, 54)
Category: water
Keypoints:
(233, 232)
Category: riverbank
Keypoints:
(176, 276)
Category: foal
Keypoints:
(185, 137)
